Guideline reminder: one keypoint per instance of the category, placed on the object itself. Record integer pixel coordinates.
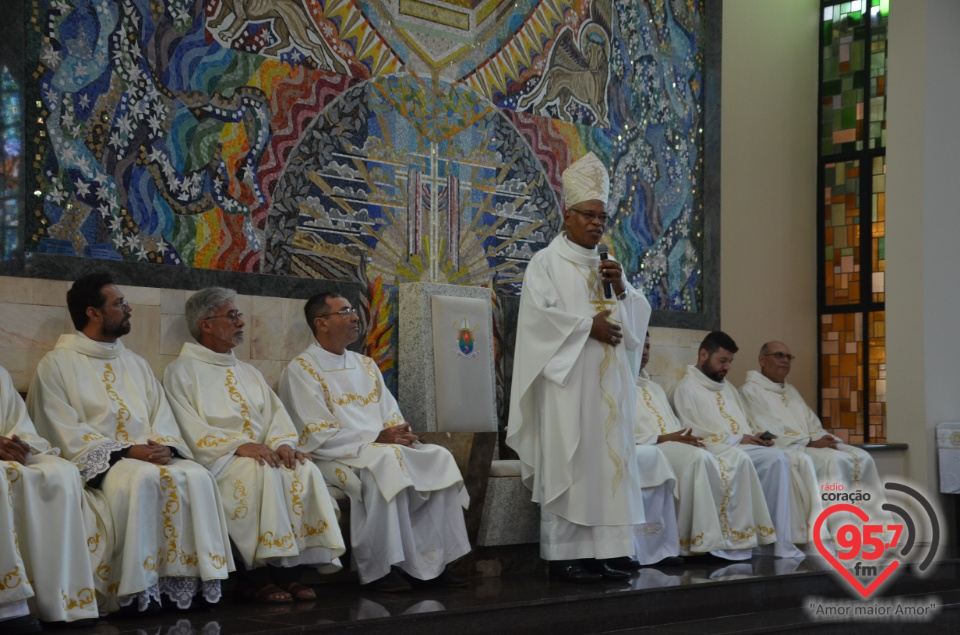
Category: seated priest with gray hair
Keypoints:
(406, 497)
(777, 405)
(279, 513)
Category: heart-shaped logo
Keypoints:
(876, 542)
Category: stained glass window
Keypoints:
(11, 164)
(852, 214)
(841, 219)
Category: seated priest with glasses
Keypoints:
(406, 497)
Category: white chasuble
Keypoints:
(720, 506)
(54, 545)
(780, 409)
(714, 411)
(277, 516)
(405, 500)
(92, 400)
(657, 537)
(572, 402)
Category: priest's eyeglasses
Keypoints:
(347, 312)
(233, 316)
(590, 216)
(781, 356)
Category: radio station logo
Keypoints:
(871, 550)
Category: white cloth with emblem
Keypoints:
(92, 400)
(275, 515)
(720, 505)
(948, 451)
(780, 409)
(657, 537)
(714, 411)
(406, 502)
(571, 406)
(54, 538)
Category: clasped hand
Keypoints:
(13, 449)
(151, 452)
(285, 455)
(400, 435)
(824, 442)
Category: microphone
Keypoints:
(607, 285)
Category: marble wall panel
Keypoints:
(33, 315)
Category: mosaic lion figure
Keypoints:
(291, 25)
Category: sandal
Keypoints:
(301, 592)
(268, 594)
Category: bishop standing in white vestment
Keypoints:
(571, 408)
(712, 409)
(720, 504)
(406, 497)
(778, 406)
(101, 404)
(278, 510)
(53, 541)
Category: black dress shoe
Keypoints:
(449, 579)
(573, 572)
(623, 563)
(393, 582)
(20, 625)
(607, 572)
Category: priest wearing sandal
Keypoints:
(279, 513)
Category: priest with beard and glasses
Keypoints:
(279, 513)
(101, 404)
(406, 497)
(571, 408)
(720, 503)
(712, 409)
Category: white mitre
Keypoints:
(586, 179)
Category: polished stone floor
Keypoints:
(703, 596)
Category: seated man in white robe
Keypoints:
(711, 408)
(101, 404)
(657, 539)
(405, 510)
(279, 513)
(52, 540)
(721, 510)
(579, 339)
(778, 406)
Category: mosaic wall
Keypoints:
(364, 141)
(11, 163)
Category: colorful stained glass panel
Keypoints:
(842, 97)
(877, 376)
(878, 229)
(841, 379)
(878, 75)
(841, 236)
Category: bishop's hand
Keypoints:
(603, 330)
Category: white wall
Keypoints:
(923, 226)
(768, 268)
